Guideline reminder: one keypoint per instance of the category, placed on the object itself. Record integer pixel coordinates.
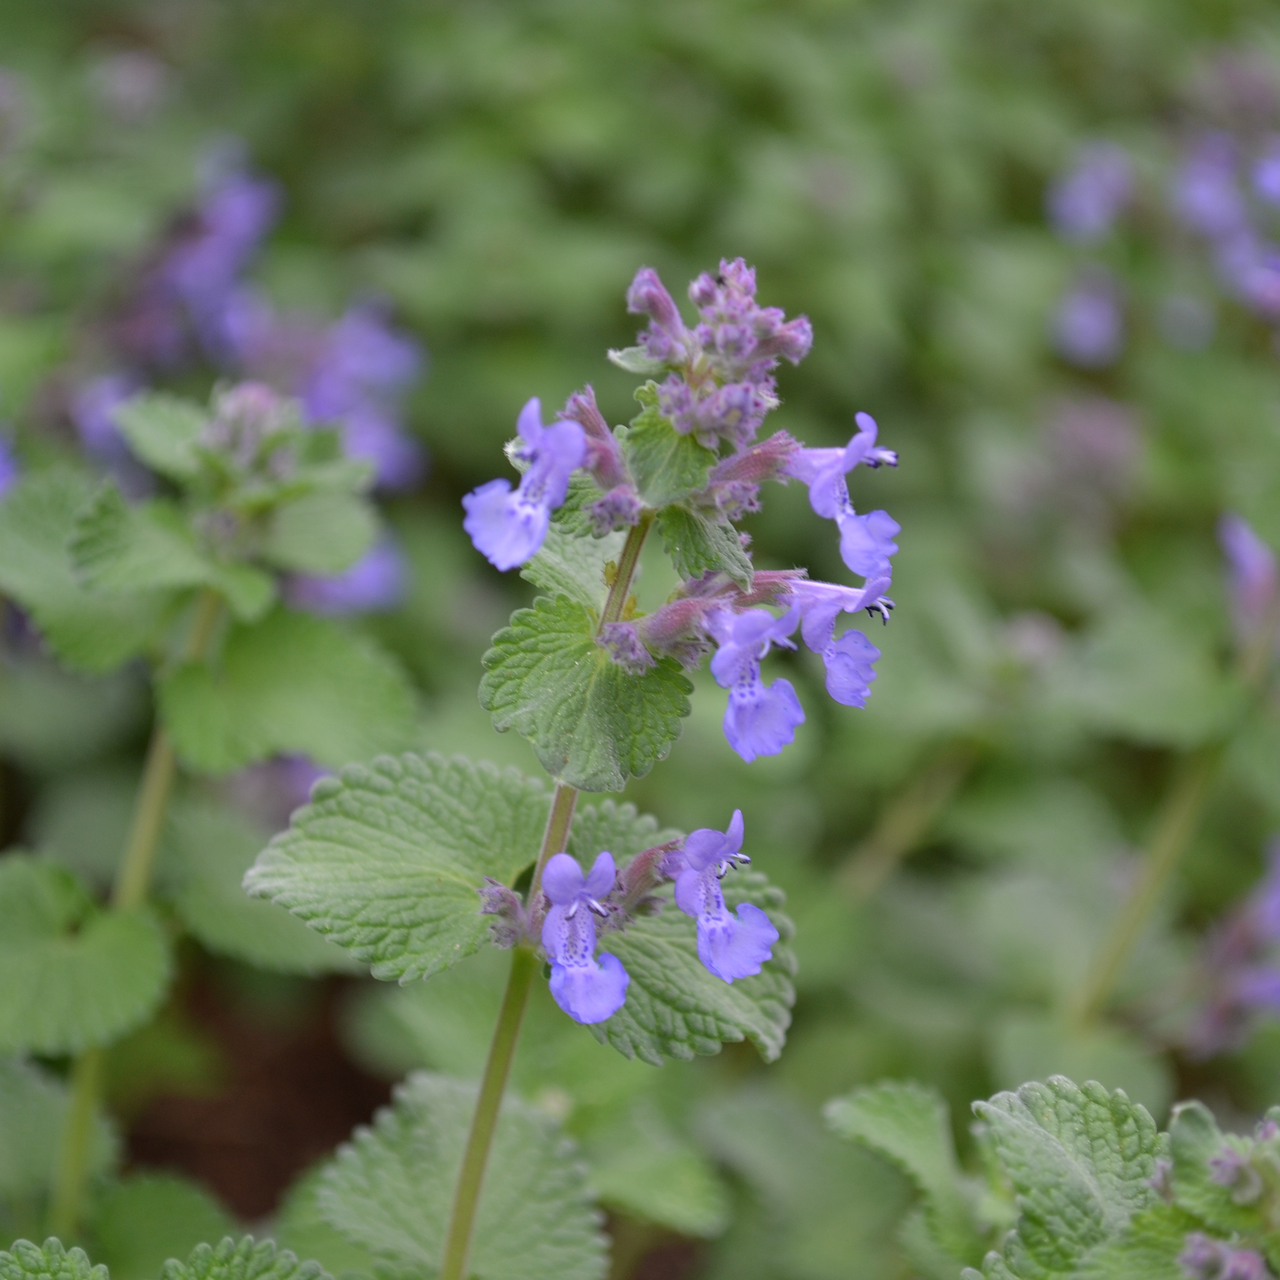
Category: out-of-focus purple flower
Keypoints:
(9, 469)
(1204, 1258)
(1253, 575)
(1083, 203)
(731, 945)
(1206, 188)
(1266, 173)
(92, 410)
(760, 719)
(204, 267)
(272, 790)
(508, 528)
(376, 583)
(362, 359)
(399, 461)
(1233, 1168)
(1088, 328)
(586, 990)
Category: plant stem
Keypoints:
(524, 964)
(1175, 825)
(133, 880)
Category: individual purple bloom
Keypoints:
(1206, 192)
(1205, 1258)
(1232, 1168)
(866, 542)
(666, 339)
(508, 528)
(760, 719)
(850, 670)
(1083, 204)
(1266, 173)
(1087, 326)
(623, 644)
(586, 990)
(9, 469)
(730, 945)
(1253, 574)
(376, 583)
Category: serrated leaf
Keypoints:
(1147, 1248)
(391, 1189)
(666, 465)
(675, 1008)
(210, 850)
(324, 532)
(292, 683)
(591, 724)
(636, 360)
(909, 1125)
(71, 976)
(698, 545)
(387, 860)
(162, 431)
(50, 1261)
(121, 547)
(301, 1227)
(33, 1106)
(572, 565)
(1080, 1160)
(85, 629)
(1194, 1139)
(141, 1222)
(245, 1259)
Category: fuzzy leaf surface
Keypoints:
(1080, 1160)
(909, 1125)
(675, 1008)
(698, 545)
(323, 532)
(386, 861)
(212, 847)
(1146, 1249)
(1194, 1138)
(391, 1189)
(71, 976)
(667, 466)
(162, 431)
(591, 724)
(572, 564)
(87, 630)
(245, 1259)
(50, 1261)
(293, 683)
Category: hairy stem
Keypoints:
(524, 964)
(133, 880)
(1175, 826)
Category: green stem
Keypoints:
(133, 880)
(524, 964)
(1176, 825)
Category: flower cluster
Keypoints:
(1205, 1258)
(718, 388)
(574, 908)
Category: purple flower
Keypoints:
(850, 670)
(760, 720)
(372, 435)
(1084, 203)
(1087, 327)
(9, 469)
(92, 411)
(508, 528)
(731, 946)
(822, 602)
(1253, 574)
(586, 990)
(1206, 193)
(866, 542)
(272, 789)
(376, 583)
(1205, 1258)
(1266, 173)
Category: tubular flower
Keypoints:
(508, 528)
(730, 945)
(587, 990)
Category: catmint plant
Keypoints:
(662, 947)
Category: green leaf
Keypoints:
(1080, 1161)
(50, 1261)
(121, 547)
(212, 847)
(71, 976)
(141, 1222)
(242, 1260)
(1147, 1248)
(301, 1227)
(387, 860)
(667, 466)
(85, 629)
(572, 564)
(33, 1107)
(324, 532)
(909, 1125)
(637, 360)
(292, 683)
(698, 545)
(675, 1008)
(162, 431)
(591, 724)
(1194, 1139)
(390, 1190)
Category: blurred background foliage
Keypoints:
(953, 854)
